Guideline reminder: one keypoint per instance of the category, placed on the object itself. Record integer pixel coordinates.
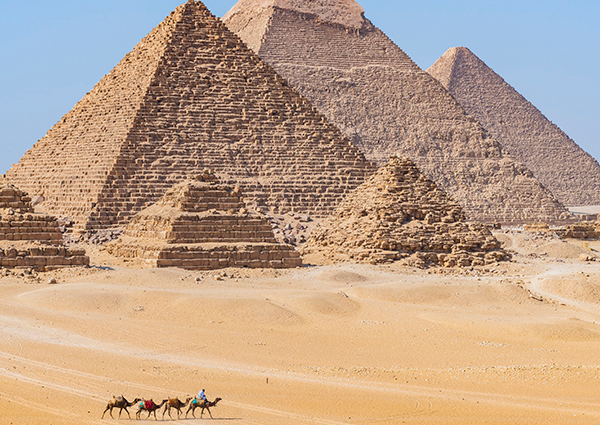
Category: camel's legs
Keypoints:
(193, 409)
(167, 409)
(202, 413)
(106, 410)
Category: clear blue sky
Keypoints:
(53, 52)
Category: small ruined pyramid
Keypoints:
(30, 240)
(386, 105)
(201, 224)
(557, 161)
(190, 96)
(398, 213)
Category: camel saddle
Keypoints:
(149, 405)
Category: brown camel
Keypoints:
(175, 403)
(119, 403)
(202, 404)
(148, 406)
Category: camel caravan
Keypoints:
(168, 404)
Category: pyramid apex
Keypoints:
(461, 49)
(457, 53)
(343, 12)
(461, 53)
(443, 69)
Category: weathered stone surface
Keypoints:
(208, 256)
(386, 105)
(31, 240)
(537, 228)
(584, 230)
(203, 225)
(190, 96)
(556, 160)
(398, 213)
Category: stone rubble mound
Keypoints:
(398, 213)
(190, 96)
(386, 105)
(201, 224)
(557, 161)
(30, 240)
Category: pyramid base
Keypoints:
(419, 259)
(41, 257)
(207, 256)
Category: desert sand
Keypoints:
(517, 343)
(595, 209)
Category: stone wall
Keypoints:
(585, 230)
(29, 227)
(202, 229)
(41, 257)
(209, 257)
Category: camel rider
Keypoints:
(202, 396)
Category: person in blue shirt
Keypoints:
(202, 396)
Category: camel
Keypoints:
(120, 403)
(196, 402)
(175, 403)
(149, 406)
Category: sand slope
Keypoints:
(320, 345)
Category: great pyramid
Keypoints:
(397, 213)
(386, 105)
(30, 240)
(190, 96)
(556, 160)
(203, 225)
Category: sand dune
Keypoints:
(348, 344)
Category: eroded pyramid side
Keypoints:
(208, 102)
(71, 164)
